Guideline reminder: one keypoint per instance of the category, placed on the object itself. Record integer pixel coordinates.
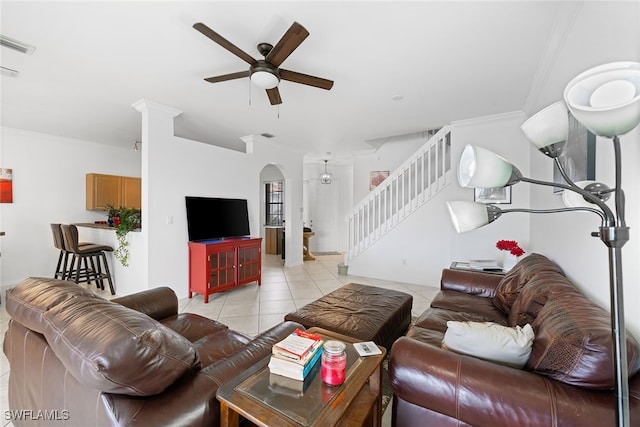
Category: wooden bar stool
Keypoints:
(93, 257)
(63, 258)
(62, 268)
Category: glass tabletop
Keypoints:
(300, 401)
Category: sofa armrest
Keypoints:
(470, 282)
(482, 393)
(257, 349)
(158, 303)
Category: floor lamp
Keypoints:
(606, 100)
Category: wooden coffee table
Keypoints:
(262, 398)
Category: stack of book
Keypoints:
(484, 265)
(296, 355)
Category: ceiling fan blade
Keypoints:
(287, 44)
(274, 96)
(224, 43)
(231, 76)
(305, 79)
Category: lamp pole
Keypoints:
(606, 101)
(614, 238)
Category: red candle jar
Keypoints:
(334, 362)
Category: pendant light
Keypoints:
(325, 178)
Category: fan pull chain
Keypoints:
(249, 92)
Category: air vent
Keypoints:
(10, 43)
(8, 72)
(267, 135)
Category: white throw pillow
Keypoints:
(490, 341)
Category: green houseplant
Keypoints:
(129, 220)
(112, 212)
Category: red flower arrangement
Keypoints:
(511, 246)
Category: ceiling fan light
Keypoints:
(264, 79)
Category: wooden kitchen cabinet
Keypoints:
(131, 192)
(115, 190)
(273, 240)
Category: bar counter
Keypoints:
(127, 280)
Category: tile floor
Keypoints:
(252, 309)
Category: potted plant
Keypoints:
(129, 220)
(512, 251)
(112, 212)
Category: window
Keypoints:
(274, 197)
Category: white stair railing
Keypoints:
(423, 175)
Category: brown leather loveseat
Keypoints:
(567, 381)
(80, 360)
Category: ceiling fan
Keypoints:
(266, 73)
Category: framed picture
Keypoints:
(376, 178)
(492, 195)
(578, 157)
(6, 185)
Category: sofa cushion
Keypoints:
(535, 294)
(478, 308)
(490, 341)
(437, 318)
(34, 296)
(509, 287)
(220, 345)
(104, 345)
(193, 326)
(573, 343)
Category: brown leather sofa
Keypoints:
(568, 380)
(80, 360)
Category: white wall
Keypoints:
(566, 238)
(174, 167)
(419, 248)
(387, 158)
(48, 187)
(342, 191)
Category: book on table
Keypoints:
(284, 364)
(281, 384)
(295, 370)
(297, 345)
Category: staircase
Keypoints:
(414, 183)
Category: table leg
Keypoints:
(228, 417)
(375, 387)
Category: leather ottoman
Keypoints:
(367, 313)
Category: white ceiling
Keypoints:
(448, 60)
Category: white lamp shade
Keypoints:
(481, 168)
(606, 98)
(548, 126)
(467, 216)
(571, 199)
(264, 79)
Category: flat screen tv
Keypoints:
(211, 218)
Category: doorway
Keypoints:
(272, 209)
